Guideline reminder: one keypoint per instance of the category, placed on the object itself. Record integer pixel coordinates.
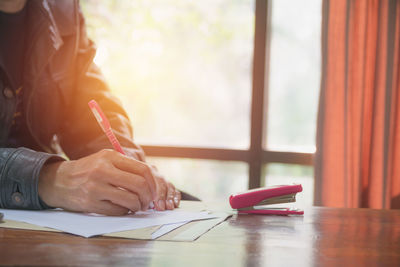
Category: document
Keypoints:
(166, 229)
(88, 225)
(194, 229)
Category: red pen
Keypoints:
(105, 125)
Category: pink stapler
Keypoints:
(248, 201)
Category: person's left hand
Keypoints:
(168, 197)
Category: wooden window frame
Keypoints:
(256, 156)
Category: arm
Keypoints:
(20, 169)
(93, 181)
(26, 174)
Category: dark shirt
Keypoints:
(12, 36)
(12, 47)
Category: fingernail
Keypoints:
(176, 200)
(151, 205)
(161, 204)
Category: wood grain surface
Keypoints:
(323, 237)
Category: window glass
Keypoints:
(294, 78)
(285, 174)
(209, 180)
(181, 68)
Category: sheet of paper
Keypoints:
(25, 226)
(166, 228)
(194, 229)
(88, 225)
(141, 233)
(180, 232)
(193, 233)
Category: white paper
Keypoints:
(166, 228)
(88, 225)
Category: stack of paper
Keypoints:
(141, 225)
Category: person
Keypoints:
(47, 77)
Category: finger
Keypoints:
(123, 198)
(177, 198)
(107, 208)
(159, 205)
(169, 203)
(135, 167)
(133, 183)
(161, 194)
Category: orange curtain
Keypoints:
(357, 162)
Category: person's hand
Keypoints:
(106, 182)
(167, 196)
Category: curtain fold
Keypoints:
(357, 162)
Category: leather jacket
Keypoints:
(60, 78)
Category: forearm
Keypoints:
(19, 175)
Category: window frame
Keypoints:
(256, 156)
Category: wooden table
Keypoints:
(323, 237)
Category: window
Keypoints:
(294, 75)
(218, 90)
(209, 179)
(181, 68)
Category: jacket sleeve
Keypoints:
(19, 175)
(80, 134)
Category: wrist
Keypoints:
(46, 183)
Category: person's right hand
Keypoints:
(106, 182)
